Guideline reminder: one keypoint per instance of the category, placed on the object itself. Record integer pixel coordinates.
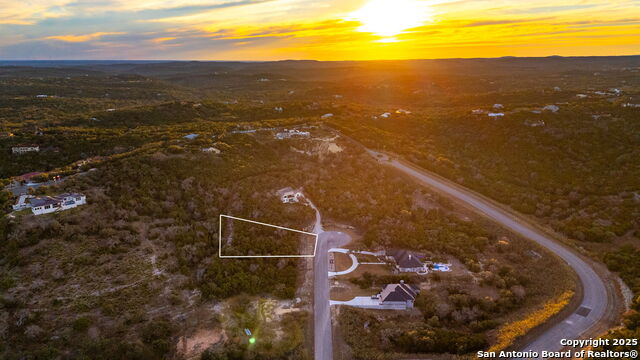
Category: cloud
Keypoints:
(166, 12)
(551, 9)
(82, 38)
(327, 27)
(275, 29)
(502, 22)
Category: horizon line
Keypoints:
(314, 60)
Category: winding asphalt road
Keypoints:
(595, 303)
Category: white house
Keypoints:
(326, 116)
(289, 196)
(42, 96)
(498, 106)
(278, 109)
(552, 108)
(495, 115)
(478, 112)
(385, 115)
(48, 204)
(191, 136)
(21, 149)
(292, 133)
(23, 202)
(210, 150)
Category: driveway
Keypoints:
(352, 268)
(323, 340)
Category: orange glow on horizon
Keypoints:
(327, 30)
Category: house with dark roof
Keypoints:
(398, 295)
(406, 261)
(48, 204)
(392, 297)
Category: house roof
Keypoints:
(44, 200)
(398, 292)
(405, 258)
(62, 196)
(50, 200)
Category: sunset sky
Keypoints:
(315, 29)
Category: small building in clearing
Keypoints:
(286, 134)
(211, 150)
(534, 123)
(289, 196)
(22, 149)
(48, 204)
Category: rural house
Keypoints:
(406, 261)
(210, 150)
(48, 204)
(23, 202)
(288, 195)
(398, 295)
(292, 133)
(22, 149)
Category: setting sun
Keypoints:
(388, 18)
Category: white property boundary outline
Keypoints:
(315, 246)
